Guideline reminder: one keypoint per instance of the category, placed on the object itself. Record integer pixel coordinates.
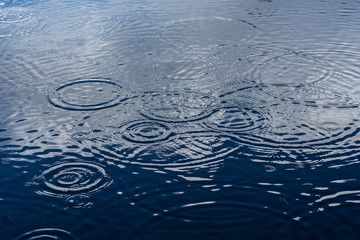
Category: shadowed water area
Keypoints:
(235, 119)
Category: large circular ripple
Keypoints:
(66, 179)
(177, 106)
(87, 94)
(206, 31)
(284, 68)
(218, 220)
(47, 233)
(145, 131)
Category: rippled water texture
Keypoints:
(234, 119)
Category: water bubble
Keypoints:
(67, 179)
(87, 94)
(47, 233)
(146, 131)
(177, 106)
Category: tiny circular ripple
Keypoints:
(206, 31)
(87, 94)
(145, 131)
(67, 179)
(177, 106)
(47, 233)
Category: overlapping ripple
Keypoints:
(274, 68)
(236, 119)
(16, 22)
(184, 151)
(327, 128)
(177, 106)
(87, 94)
(304, 73)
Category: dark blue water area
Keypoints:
(232, 119)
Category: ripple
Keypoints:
(145, 132)
(206, 31)
(87, 94)
(185, 151)
(16, 22)
(73, 178)
(80, 201)
(79, 136)
(224, 219)
(284, 68)
(177, 106)
(319, 97)
(47, 233)
(14, 15)
(236, 119)
(324, 74)
(328, 128)
(187, 68)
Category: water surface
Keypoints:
(179, 120)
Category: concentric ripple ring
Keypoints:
(236, 119)
(67, 179)
(146, 132)
(87, 94)
(47, 233)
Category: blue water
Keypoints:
(235, 119)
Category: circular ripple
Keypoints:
(13, 16)
(236, 119)
(47, 233)
(73, 178)
(145, 132)
(284, 68)
(223, 219)
(177, 106)
(206, 31)
(87, 94)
